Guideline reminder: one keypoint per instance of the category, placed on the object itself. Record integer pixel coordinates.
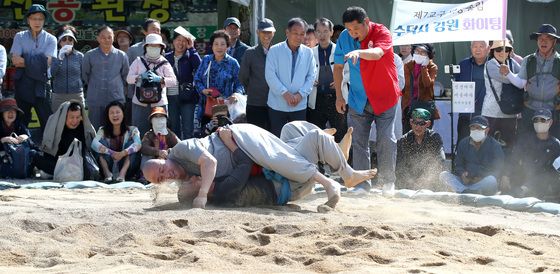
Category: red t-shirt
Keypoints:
(379, 77)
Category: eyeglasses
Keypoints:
(500, 49)
(66, 39)
(419, 123)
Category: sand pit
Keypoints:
(122, 231)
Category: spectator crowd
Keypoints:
(128, 103)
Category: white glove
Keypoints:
(63, 51)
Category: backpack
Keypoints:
(149, 92)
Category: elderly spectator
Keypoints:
(420, 76)
(374, 92)
(252, 75)
(236, 48)
(182, 98)
(3, 64)
(217, 72)
(150, 26)
(104, 71)
(479, 162)
(405, 52)
(32, 52)
(322, 100)
(472, 70)
(540, 76)
(420, 154)
(66, 70)
(117, 142)
(11, 123)
(69, 122)
(531, 171)
(290, 72)
(152, 66)
(500, 54)
(310, 37)
(123, 39)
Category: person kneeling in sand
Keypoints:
(294, 160)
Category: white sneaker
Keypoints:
(389, 189)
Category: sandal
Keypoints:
(108, 180)
(119, 180)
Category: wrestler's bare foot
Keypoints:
(346, 142)
(331, 187)
(330, 131)
(359, 176)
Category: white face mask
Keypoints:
(159, 125)
(478, 135)
(541, 127)
(153, 52)
(420, 59)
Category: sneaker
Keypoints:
(389, 189)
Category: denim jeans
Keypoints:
(486, 186)
(386, 142)
(181, 117)
(134, 166)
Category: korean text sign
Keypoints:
(421, 22)
(463, 97)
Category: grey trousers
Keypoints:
(317, 147)
(386, 142)
(58, 98)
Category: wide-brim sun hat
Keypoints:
(9, 104)
(500, 44)
(545, 29)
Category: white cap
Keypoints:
(153, 38)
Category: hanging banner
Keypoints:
(421, 22)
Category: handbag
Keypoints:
(511, 99)
(16, 163)
(213, 99)
(91, 168)
(149, 92)
(70, 165)
(187, 93)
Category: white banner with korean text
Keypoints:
(421, 22)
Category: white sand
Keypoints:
(121, 231)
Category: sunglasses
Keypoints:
(419, 123)
(66, 39)
(500, 49)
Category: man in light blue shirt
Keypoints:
(31, 53)
(290, 73)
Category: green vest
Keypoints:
(532, 67)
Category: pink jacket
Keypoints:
(165, 71)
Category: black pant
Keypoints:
(279, 118)
(325, 111)
(42, 108)
(45, 162)
(258, 116)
